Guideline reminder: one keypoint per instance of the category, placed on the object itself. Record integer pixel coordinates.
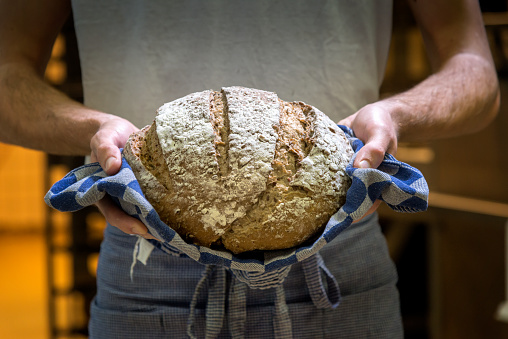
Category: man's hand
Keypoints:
(105, 146)
(373, 124)
(106, 143)
(121, 220)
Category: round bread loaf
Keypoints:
(241, 168)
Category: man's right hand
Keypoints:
(105, 148)
(107, 141)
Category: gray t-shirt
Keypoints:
(137, 55)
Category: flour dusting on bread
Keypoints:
(241, 168)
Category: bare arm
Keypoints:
(35, 115)
(461, 96)
(32, 113)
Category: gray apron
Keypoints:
(153, 300)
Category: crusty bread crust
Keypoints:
(241, 168)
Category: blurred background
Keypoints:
(452, 259)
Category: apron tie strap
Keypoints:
(215, 301)
(214, 278)
(281, 320)
(237, 308)
(313, 267)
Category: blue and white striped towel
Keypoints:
(399, 185)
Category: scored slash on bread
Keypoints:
(241, 168)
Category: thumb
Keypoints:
(347, 121)
(105, 144)
(373, 152)
(109, 157)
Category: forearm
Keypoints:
(462, 97)
(459, 98)
(35, 115)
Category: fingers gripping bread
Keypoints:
(241, 168)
